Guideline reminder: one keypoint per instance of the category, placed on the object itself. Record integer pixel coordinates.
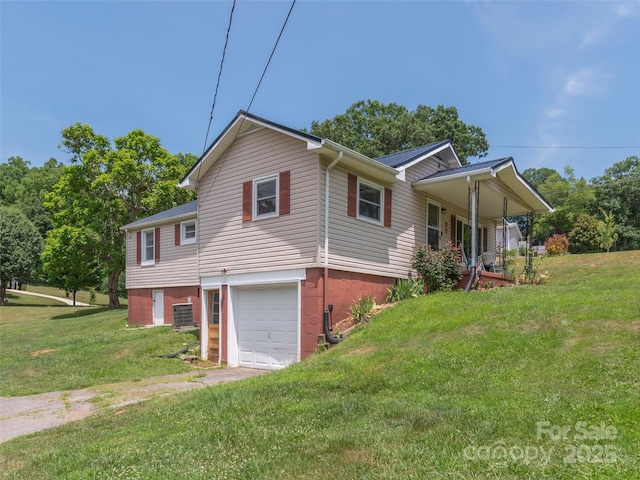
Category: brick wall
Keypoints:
(140, 304)
(343, 289)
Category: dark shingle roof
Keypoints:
(399, 159)
(470, 168)
(180, 211)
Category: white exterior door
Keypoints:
(158, 306)
(267, 325)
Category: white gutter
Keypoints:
(326, 206)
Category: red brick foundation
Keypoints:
(140, 304)
(342, 289)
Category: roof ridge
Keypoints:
(430, 145)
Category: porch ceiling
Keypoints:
(496, 184)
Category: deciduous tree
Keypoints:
(618, 192)
(109, 185)
(69, 259)
(20, 247)
(376, 129)
(607, 235)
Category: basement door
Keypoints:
(157, 297)
(214, 326)
(267, 320)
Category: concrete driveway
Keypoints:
(60, 299)
(34, 413)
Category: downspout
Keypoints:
(325, 282)
(474, 240)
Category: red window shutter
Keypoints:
(285, 192)
(387, 207)
(352, 196)
(247, 200)
(485, 238)
(177, 235)
(138, 248)
(453, 231)
(157, 245)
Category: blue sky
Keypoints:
(536, 74)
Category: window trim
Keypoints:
(381, 205)
(144, 261)
(183, 229)
(254, 197)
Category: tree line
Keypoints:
(61, 223)
(589, 212)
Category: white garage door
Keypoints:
(267, 320)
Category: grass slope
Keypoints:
(452, 385)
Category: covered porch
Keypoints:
(492, 190)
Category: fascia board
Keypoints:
(363, 162)
(475, 175)
(312, 143)
(527, 188)
(428, 155)
(164, 221)
(189, 182)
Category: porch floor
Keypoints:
(498, 279)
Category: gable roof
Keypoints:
(245, 122)
(402, 159)
(500, 180)
(186, 210)
(470, 168)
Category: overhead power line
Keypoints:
(215, 95)
(273, 50)
(271, 56)
(566, 147)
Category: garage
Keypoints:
(267, 326)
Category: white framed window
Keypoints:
(433, 225)
(265, 197)
(188, 232)
(148, 247)
(370, 202)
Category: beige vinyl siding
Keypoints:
(177, 266)
(360, 246)
(429, 167)
(286, 241)
(421, 170)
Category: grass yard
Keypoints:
(81, 296)
(533, 382)
(48, 346)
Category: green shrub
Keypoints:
(405, 288)
(439, 268)
(584, 235)
(362, 309)
(557, 244)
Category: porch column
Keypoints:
(474, 234)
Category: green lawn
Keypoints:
(525, 382)
(81, 296)
(48, 346)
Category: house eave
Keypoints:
(430, 154)
(497, 183)
(239, 125)
(141, 225)
(361, 163)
